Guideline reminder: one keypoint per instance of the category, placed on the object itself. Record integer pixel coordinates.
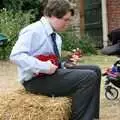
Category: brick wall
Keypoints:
(113, 8)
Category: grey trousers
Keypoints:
(82, 83)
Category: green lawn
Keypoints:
(102, 61)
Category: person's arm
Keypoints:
(22, 55)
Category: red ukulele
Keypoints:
(53, 58)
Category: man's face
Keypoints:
(61, 24)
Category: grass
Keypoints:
(102, 61)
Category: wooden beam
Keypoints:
(82, 18)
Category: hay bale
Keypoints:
(21, 105)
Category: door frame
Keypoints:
(104, 20)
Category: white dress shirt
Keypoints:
(35, 39)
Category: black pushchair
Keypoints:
(112, 82)
(112, 78)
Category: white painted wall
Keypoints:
(104, 22)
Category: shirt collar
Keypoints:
(48, 28)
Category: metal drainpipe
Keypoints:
(104, 23)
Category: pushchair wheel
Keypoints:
(111, 93)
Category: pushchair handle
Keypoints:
(117, 62)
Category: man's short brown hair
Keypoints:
(58, 8)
